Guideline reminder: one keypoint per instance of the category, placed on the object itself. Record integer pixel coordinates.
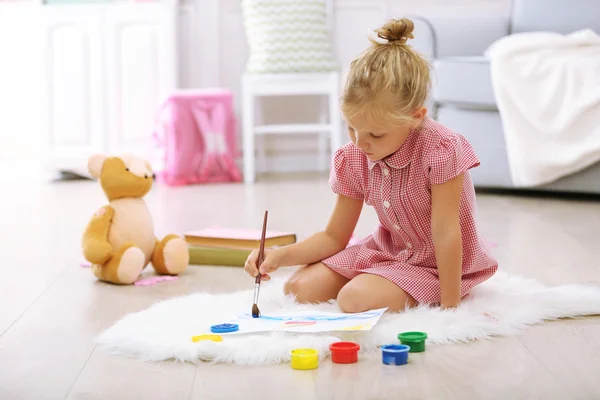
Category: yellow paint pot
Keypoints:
(305, 359)
(214, 338)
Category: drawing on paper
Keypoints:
(308, 322)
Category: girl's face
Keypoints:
(378, 142)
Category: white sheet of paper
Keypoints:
(308, 322)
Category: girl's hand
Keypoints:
(270, 263)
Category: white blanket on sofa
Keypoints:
(547, 88)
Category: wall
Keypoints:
(20, 84)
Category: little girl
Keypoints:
(415, 173)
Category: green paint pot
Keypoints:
(414, 340)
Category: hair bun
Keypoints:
(397, 31)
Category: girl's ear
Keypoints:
(420, 113)
(95, 164)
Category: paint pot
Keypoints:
(224, 328)
(344, 352)
(414, 340)
(214, 338)
(394, 354)
(305, 359)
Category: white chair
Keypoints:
(325, 84)
(255, 86)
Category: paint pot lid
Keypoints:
(412, 337)
(214, 338)
(344, 347)
(395, 348)
(224, 328)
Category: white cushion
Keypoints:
(464, 81)
(287, 36)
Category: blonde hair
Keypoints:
(389, 80)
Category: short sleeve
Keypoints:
(344, 177)
(452, 156)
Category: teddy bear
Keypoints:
(119, 239)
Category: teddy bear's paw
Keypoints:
(131, 265)
(97, 251)
(175, 256)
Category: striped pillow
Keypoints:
(287, 36)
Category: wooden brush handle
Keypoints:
(261, 251)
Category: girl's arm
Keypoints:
(332, 240)
(447, 238)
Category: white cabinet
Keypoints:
(73, 100)
(141, 66)
(106, 68)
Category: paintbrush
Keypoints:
(261, 258)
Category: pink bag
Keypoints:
(196, 138)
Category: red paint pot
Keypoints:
(344, 352)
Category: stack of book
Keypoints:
(230, 247)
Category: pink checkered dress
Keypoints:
(399, 188)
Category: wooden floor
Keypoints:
(51, 307)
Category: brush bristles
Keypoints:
(255, 311)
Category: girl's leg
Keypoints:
(314, 283)
(368, 292)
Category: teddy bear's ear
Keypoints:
(95, 164)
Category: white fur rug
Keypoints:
(504, 305)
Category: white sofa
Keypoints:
(462, 95)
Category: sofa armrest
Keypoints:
(437, 37)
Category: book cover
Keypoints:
(218, 256)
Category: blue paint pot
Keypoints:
(224, 328)
(394, 354)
